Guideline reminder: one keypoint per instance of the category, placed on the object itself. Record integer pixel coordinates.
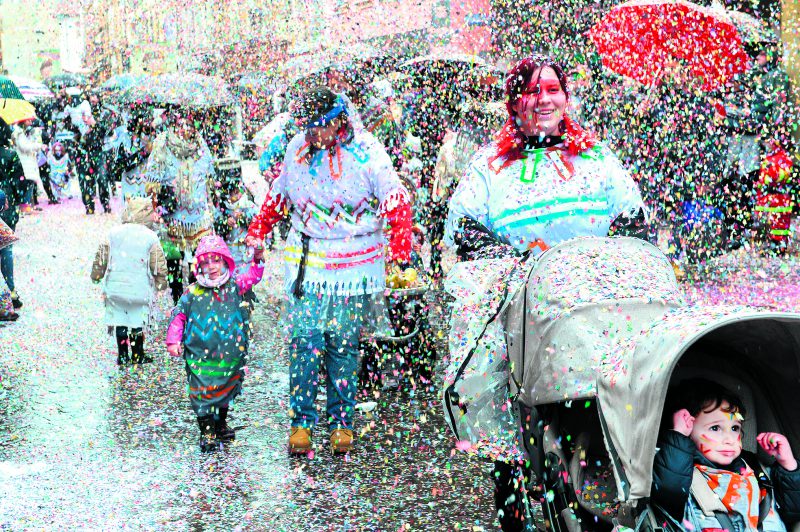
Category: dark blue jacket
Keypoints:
(672, 478)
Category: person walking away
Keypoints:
(133, 266)
(210, 326)
(339, 184)
(12, 184)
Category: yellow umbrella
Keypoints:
(13, 110)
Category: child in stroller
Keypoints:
(704, 480)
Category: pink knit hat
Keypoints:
(214, 244)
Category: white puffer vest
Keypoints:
(128, 277)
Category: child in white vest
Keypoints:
(133, 265)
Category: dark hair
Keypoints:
(511, 139)
(702, 395)
(317, 102)
(521, 75)
(313, 103)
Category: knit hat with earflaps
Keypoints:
(214, 244)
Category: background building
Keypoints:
(32, 33)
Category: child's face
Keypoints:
(234, 195)
(211, 265)
(417, 242)
(718, 434)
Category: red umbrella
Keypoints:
(643, 39)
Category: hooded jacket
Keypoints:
(136, 229)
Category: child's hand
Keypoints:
(231, 221)
(777, 445)
(683, 422)
(258, 253)
(175, 350)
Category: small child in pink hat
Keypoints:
(210, 326)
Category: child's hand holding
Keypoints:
(174, 350)
(777, 445)
(683, 422)
(258, 253)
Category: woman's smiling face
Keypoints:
(541, 106)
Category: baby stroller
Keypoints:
(583, 348)
(407, 351)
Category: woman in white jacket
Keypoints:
(133, 265)
(28, 143)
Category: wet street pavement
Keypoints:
(85, 445)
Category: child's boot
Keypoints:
(224, 433)
(136, 338)
(123, 358)
(208, 439)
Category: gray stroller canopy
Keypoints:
(583, 303)
(605, 318)
(756, 354)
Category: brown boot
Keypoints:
(341, 441)
(299, 440)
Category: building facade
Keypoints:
(52, 33)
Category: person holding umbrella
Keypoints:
(543, 180)
(340, 187)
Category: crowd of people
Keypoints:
(492, 178)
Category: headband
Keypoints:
(324, 120)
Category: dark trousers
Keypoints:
(438, 217)
(175, 278)
(31, 194)
(44, 174)
(133, 339)
(509, 495)
(738, 193)
(88, 183)
(7, 266)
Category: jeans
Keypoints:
(340, 349)
(7, 266)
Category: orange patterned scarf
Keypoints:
(739, 492)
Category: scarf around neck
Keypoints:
(204, 281)
(739, 492)
(182, 148)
